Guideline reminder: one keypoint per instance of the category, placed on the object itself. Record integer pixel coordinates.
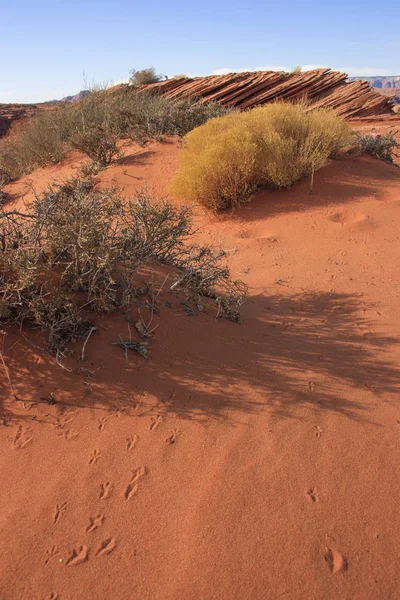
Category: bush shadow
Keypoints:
(295, 356)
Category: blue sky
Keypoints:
(46, 46)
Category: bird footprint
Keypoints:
(94, 457)
(313, 494)
(106, 547)
(60, 509)
(155, 421)
(132, 486)
(171, 439)
(50, 554)
(131, 441)
(94, 523)
(337, 563)
(105, 490)
(78, 556)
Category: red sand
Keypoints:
(256, 461)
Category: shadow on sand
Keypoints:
(292, 354)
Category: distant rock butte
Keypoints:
(392, 82)
(77, 97)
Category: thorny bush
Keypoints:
(381, 146)
(79, 249)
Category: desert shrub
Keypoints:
(293, 141)
(219, 174)
(40, 141)
(94, 126)
(145, 76)
(143, 117)
(80, 249)
(100, 144)
(226, 159)
(380, 146)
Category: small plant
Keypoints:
(79, 249)
(145, 76)
(380, 146)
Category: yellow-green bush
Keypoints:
(227, 158)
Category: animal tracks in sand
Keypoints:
(131, 441)
(60, 510)
(64, 418)
(335, 560)
(171, 439)
(348, 216)
(94, 457)
(95, 523)
(105, 490)
(132, 486)
(68, 434)
(313, 495)
(52, 553)
(318, 431)
(78, 556)
(106, 547)
(155, 422)
(102, 423)
(21, 438)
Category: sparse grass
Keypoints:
(225, 160)
(95, 124)
(380, 146)
(79, 249)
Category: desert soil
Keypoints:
(253, 461)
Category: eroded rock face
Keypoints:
(322, 87)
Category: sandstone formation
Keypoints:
(322, 87)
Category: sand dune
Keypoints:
(255, 461)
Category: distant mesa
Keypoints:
(392, 82)
(77, 97)
(386, 86)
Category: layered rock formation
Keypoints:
(322, 87)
